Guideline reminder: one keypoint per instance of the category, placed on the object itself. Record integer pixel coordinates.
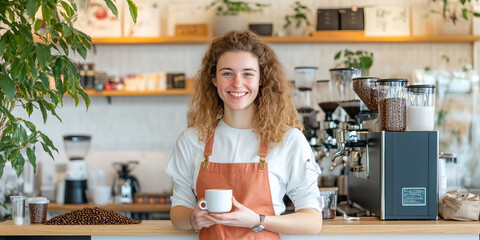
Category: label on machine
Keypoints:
(414, 196)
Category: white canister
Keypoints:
(420, 107)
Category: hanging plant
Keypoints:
(451, 9)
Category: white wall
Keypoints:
(145, 128)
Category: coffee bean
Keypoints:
(393, 114)
(352, 107)
(365, 89)
(91, 216)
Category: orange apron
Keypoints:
(250, 185)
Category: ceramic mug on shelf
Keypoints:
(217, 200)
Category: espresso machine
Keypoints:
(390, 172)
(76, 148)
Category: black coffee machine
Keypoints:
(76, 148)
(125, 185)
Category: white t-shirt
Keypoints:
(291, 166)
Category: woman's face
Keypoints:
(237, 80)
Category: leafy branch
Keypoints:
(450, 12)
(36, 72)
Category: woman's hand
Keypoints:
(198, 218)
(242, 217)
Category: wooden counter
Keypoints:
(133, 207)
(365, 226)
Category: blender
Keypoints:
(76, 148)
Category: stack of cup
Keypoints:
(18, 209)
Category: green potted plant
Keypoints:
(227, 16)
(297, 22)
(360, 59)
(29, 62)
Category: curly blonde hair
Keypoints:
(274, 109)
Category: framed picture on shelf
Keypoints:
(148, 24)
(387, 21)
(98, 21)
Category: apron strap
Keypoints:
(208, 150)
(262, 152)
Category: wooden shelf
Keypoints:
(150, 40)
(134, 207)
(189, 90)
(317, 37)
(93, 93)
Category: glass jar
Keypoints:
(38, 209)
(342, 89)
(392, 104)
(420, 107)
(447, 174)
(324, 99)
(303, 101)
(305, 78)
(341, 83)
(328, 202)
(18, 209)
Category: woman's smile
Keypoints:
(238, 94)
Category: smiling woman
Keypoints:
(244, 135)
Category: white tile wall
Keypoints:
(145, 128)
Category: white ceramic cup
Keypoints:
(217, 200)
(101, 194)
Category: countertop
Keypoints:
(364, 226)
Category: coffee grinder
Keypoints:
(348, 135)
(305, 82)
(76, 148)
(324, 99)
